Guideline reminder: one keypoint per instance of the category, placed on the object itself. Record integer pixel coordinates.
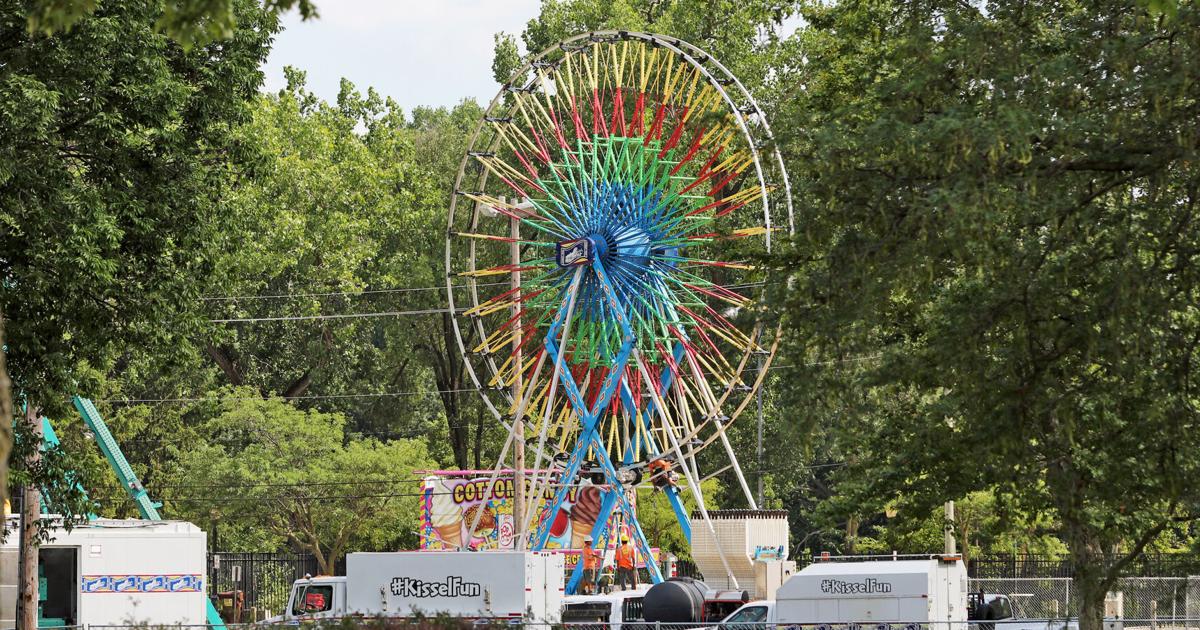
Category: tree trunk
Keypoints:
(6, 415)
(299, 386)
(851, 534)
(478, 437)
(31, 511)
(1090, 582)
(448, 370)
(227, 364)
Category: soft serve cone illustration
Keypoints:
(446, 516)
(584, 514)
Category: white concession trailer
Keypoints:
(899, 591)
(507, 585)
(111, 571)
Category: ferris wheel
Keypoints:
(600, 270)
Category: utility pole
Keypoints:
(951, 546)
(31, 501)
(514, 253)
(758, 396)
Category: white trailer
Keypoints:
(480, 585)
(887, 591)
(110, 572)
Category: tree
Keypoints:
(440, 138)
(982, 525)
(334, 227)
(741, 34)
(322, 232)
(290, 475)
(189, 22)
(115, 148)
(660, 524)
(6, 411)
(1000, 207)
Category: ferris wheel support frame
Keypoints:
(589, 417)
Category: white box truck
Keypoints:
(887, 591)
(925, 593)
(110, 572)
(509, 585)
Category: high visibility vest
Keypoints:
(591, 559)
(625, 556)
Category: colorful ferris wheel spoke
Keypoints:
(598, 256)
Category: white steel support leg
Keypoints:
(691, 480)
(549, 406)
(521, 410)
(714, 414)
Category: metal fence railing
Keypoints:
(1039, 585)
(1153, 598)
(456, 623)
(264, 580)
(1046, 566)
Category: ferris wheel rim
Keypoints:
(751, 131)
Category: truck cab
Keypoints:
(320, 597)
(752, 614)
(609, 611)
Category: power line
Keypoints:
(382, 435)
(299, 318)
(438, 392)
(284, 497)
(133, 401)
(296, 484)
(829, 362)
(238, 499)
(283, 296)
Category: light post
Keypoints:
(515, 213)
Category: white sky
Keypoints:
(419, 52)
(428, 52)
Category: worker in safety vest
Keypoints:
(626, 564)
(591, 566)
(661, 474)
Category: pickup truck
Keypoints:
(620, 610)
(988, 611)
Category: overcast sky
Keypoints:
(429, 52)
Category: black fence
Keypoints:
(1009, 566)
(261, 581)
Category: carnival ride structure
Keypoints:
(600, 272)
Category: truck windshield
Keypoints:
(748, 615)
(313, 599)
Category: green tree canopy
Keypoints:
(999, 210)
(116, 147)
(266, 472)
(189, 22)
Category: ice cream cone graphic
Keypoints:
(445, 516)
(584, 514)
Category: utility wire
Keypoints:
(131, 401)
(327, 497)
(301, 318)
(868, 357)
(284, 296)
